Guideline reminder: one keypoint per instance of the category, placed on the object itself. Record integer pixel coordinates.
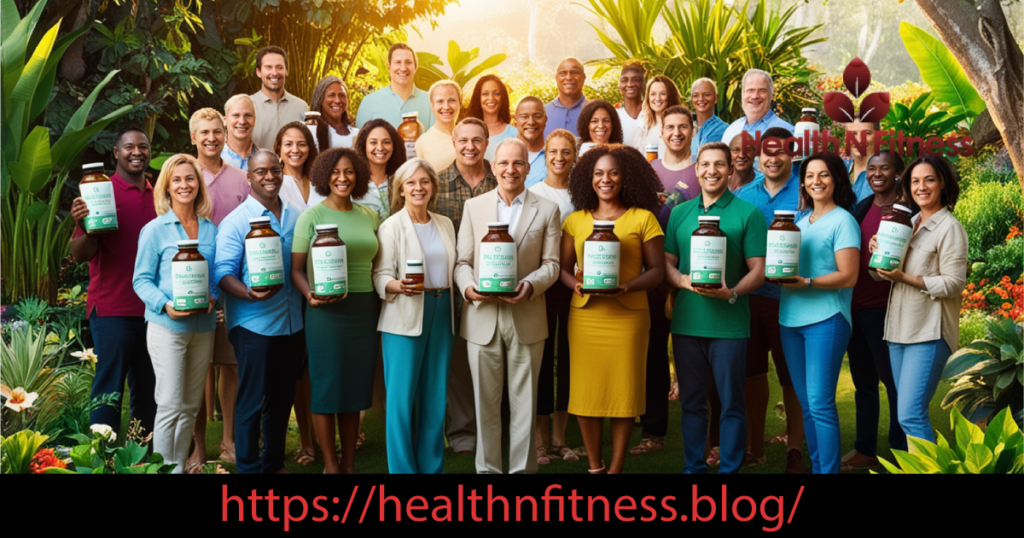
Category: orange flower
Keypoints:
(1014, 232)
(970, 287)
(44, 459)
(1007, 306)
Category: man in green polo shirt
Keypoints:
(400, 96)
(710, 326)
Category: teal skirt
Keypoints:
(343, 343)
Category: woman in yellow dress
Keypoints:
(611, 183)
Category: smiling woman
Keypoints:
(436, 144)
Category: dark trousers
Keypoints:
(120, 344)
(659, 380)
(267, 369)
(556, 300)
(726, 358)
(869, 364)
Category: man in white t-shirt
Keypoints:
(631, 86)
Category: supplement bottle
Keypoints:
(409, 130)
(601, 259)
(263, 256)
(893, 240)
(808, 123)
(497, 262)
(312, 118)
(330, 264)
(190, 278)
(98, 193)
(707, 254)
(651, 152)
(782, 261)
(414, 272)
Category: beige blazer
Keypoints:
(401, 314)
(537, 236)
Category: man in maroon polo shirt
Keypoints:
(115, 312)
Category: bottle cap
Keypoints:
(902, 208)
(784, 213)
(326, 228)
(413, 114)
(708, 219)
(259, 220)
(94, 167)
(188, 243)
(604, 223)
(312, 114)
(497, 225)
(811, 110)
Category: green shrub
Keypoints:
(987, 210)
(1002, 260)
(538, 82)
(986, 165)
(972, 327)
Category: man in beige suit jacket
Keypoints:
(508, 330)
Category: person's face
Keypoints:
(335, 103)
(266, 176)
(272, 71)
(445, 103)
(470, 144)
(881, 173)
(607, 178)
(491, 97)
(741, 160)
(294, 149)
(379, 146)
(530, 121)
(703, 98)
(240, 120)
(511, 168)
(343, 178)
(133, 154)
(208, 138)
(402, 67)
(713, 172)
(818, 182)
(570, 78)
(776, 167)
(757, 98)
(600, 126)
(856, 128)
(417, 189)
(926, 187)
(560, 156)
(657, 97)
(184, 185)
(677, 132)
(631, 85)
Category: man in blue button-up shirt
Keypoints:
(563, 111)
(264, 327)
(758, 92)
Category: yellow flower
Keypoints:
(86, 355)
(17, 399)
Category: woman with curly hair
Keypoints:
(661, 94)
(341, 375)
(296, 148)
(335, 128)
(490, 103)
(611, 183)
(599, 123)
(383, 150)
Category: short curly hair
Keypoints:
(320, 175)
(589, 109)
(640, 183)
(398, 155)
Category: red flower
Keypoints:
(44, 459)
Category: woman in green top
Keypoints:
(341, 369)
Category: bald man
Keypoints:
(565, 109)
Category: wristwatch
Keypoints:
(807, 282)
(732, 300)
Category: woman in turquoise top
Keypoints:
(342, 337)
(490, 103)
(814, 313)
(180, 343)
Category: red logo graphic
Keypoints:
(856, 78)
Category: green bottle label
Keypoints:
(99, 198)
(893, 241)
(330, 270)
(497, 268)
(265, 262)
(783, 254)
(601, 265)
(190, 285)
(707, 259)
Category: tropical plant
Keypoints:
(32, 310)
(67, 405)
(26, 362)
(17, 450)
(940, 70)
(35, 237)
(972, 326)
(459, 62)
(987, 374)
(997, 450)
(95, 455)
(921, 120)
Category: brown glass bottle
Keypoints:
(98, 193)
(707, 254)
(190, 279)
(409, 130)
(782, 259)
(894, 233)
(651, 152)
(601, 259)
(329, 262)
(497, 262)
(414, 272)
(264, 256)
(312, 118)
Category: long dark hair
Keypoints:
(640, 183)
(310, 157)
(583, 123)
(398, 155)
(323, 137)
(476, 108)
(950, 185)
(842, 190)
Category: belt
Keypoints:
(438, 292)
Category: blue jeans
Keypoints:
(268, 367)
(120, 344)
(814, 355)
(727, 358)
(917, 369)
(869, 364)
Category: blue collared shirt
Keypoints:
(389, 106)
(235, 159)
(768, 121)
(153, 282)
(560, 117)
(538, 170)
(711, 131)
(279, 315)
(787, 199)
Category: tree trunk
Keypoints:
(979, 37)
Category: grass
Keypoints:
(372, 457)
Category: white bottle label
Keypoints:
(707, 259)
(601, 264)
(264, 259)
(190, 285)
(893, 242)
(410, 150)
(783, 254)
(99, 198)
(497, 268)
(330, 270)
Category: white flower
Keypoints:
(104, 430)
(86, 355)
(17, 399)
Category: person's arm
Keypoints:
(952, 277)
(147, 266)
(227, 271)
(654, 259)
(750, 282)
(547, 274)
(385, 265)
(848, 267)
(567, 272)
(465, 258)
(83, 247)
(673, 276)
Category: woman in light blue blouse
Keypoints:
(814, 313)
(180, 343)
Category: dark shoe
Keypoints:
(795, 462)
(749, 460)
(854, 460)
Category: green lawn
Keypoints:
(372, 457)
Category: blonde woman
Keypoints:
(180, 343)
(436, 144)
(416, 322)
(660, 95)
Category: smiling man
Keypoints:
(508, 332)
(401, 96)
(758, 90)
(531, 120)
(274, 105)
(564, 111)
(264, 327)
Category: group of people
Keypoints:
(451, 351)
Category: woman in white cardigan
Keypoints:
(416, 321)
